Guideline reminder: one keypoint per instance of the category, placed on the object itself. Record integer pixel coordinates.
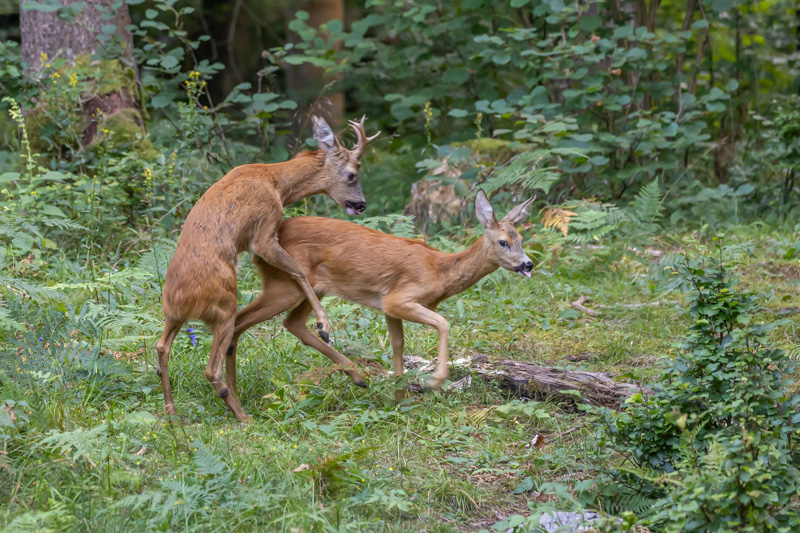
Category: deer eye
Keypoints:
(504, 244)
(351, 177)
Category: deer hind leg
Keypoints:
(276, 298)
(171, 328)
(414, 312)
(296, 324)
(223, 333)
(395, 327)
(276, 256)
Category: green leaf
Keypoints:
(54, 175)
(501, 58)
(9, 177)
(717, 94)
(591, 22)
(334, 26)
(169, 61)
(162, 100)
(458, 113)
(519, 3)
(49, 6)
(455, 75)
(53, 211)
(151, 13)
(523, 486)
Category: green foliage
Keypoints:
(720, 423)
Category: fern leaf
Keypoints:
(559, 218)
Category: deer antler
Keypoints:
(361, 134)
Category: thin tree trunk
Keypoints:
(687, 23)
(310, 81)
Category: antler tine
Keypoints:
(361, 134)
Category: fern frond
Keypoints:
(528, 170)
(559, 218)
(29, 289)
(647, 204)
(394, 224)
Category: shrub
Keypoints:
(717, 437)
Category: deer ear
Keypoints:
(519, 213)
(484, 211)
(323, 134)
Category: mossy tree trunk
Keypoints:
(97, 47)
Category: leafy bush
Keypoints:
(717, 436)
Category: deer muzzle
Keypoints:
(354, 208)
(524, 268)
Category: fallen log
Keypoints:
(523, 379)
(532, 381)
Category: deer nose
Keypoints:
(358, 207)
(527, 266)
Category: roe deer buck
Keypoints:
(242, 211)
(404, 278)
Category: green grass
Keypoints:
(90, 450)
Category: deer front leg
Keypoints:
(414, 312)
(275, 255)
(395, 327)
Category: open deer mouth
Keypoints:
(524, 268)
(354, 208)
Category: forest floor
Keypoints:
(330, 456)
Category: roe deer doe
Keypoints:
(242, 211)
(404, 278)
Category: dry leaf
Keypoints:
(558, 218)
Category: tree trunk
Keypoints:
(71, 36)
(74, 36)
(309, 81)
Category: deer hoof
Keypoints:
(324, 334)
(231, 348)
(158, 371)
(361, 383)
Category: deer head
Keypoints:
(501, 240)
(339, 178)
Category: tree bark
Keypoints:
(308, 80)
(112, 100)
(54, 35)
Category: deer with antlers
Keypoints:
(242, 212)
(404, 278)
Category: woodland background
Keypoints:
(662, 140)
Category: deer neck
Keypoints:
(463, 270)
(300, 177)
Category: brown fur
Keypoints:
(404, 278)
(242, 212)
